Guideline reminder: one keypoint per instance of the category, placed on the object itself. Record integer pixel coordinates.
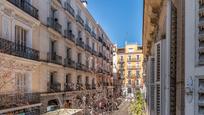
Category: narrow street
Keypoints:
(123, 108)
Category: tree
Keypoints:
(137, 106)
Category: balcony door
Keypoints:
(20, 37)
(79, 35)
(68, 78)
(69, 26)
(20, 79)
(68, 53)
(79, 57)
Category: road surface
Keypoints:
(123, 109)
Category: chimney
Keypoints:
(84, 2)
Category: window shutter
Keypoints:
(173, 53)
(157, 78)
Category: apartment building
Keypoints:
(130, 68)
(117, 80)
(165, 57)
(53, 55)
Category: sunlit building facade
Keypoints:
(53, 55)
(129, 68)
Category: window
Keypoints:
(79, 79)
(68, 25)
(79, 35)
(79, 57)
(87, 79)
(68, 78)
(20, 35)
(93, 45)
(138, 57)
(137, 65)
(69, 53)
(20, 82)
(121, 57)
(129, 57)
(137, 73)
(87, 41)
(129, 72)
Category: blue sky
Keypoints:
(120, 19)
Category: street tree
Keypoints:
(137, 106)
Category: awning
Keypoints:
(64, 112)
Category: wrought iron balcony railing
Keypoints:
(68, 62)
(100, 39)
(100, 70)
(69, 8)
(80, 43)
(133, 67)
(79, 86)
(133, 59)
(131, 75)
(80, 20)
(69, 35)
(18, 99)
(100, 54)
(52, 57)
(88, 86)
(69, 86)
(93, 34)
(93, 86)
(94, 52)
(54, 87)
(79, 66)
(54, 24)
(88, 48)
(26, 7)
(87, 28)
(121, 61)
(19, 50)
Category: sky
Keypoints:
(121, 19)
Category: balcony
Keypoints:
(100, 39)
(54, 24)
(87, 28)
(88, 48)
(12, 48)
(26, 7)
(133, 60)
(79, 86)
(18, 100)
(79, 66)
(121, 61)
(54, 87)
(94, 52)
(80, 20)
(131, 75)
(100, 54)
(88, 86)
(93, 34)
(100, 70)
(69, 8)
(52, 57)
(68, 62)
(94, 86)
(69, 35)
(133, 68)
(69, 86)
(80, 43)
